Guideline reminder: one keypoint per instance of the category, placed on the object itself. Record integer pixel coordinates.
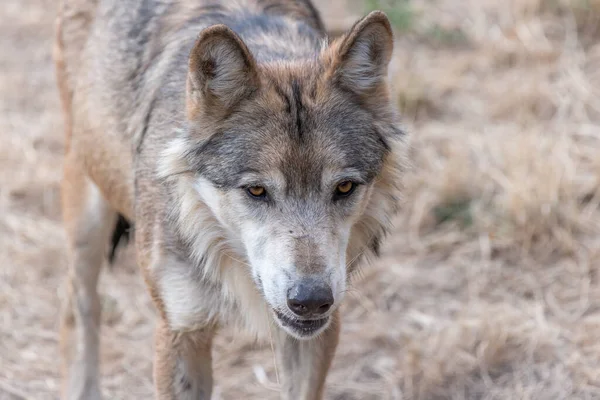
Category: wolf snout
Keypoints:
(310, 298)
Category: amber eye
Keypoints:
(256, 191)
(345, 188)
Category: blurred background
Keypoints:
(489, 287)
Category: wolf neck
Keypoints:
(272, 38)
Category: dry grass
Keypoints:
(488, 289)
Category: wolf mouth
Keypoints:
(301, 327)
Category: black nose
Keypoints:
(310, 298)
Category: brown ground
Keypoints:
(490, 286)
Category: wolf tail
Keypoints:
(121, 232)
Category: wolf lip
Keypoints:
(303, 327)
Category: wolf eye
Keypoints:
(345, 188)
(257, 191)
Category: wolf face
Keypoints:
(290, 158)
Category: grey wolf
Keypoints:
(259, 162)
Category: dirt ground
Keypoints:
(489, 287)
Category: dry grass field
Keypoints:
(489, 287)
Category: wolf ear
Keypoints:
(364, 53)
(221, 73)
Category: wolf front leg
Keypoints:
(304, 363)
(183, 364)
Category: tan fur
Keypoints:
(183, 352)
(109, 158)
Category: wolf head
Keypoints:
(297, 161)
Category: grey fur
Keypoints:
(178, 108)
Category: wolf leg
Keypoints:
(88, 219)
(183, 364)
(305, 363)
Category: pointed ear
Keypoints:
(222, 72)
(361, 60)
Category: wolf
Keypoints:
(258, 162)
